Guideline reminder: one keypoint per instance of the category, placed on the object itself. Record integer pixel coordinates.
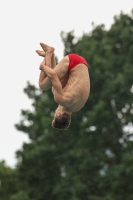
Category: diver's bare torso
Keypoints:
(77, 84)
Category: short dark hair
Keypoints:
(62, 122)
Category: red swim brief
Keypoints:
(74, 60)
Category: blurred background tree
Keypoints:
(8, 181)
(94, 158)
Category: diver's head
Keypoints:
(61, 120)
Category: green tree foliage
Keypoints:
(21, 195)
(8, 181)
(94, 158)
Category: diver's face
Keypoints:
(57, 112)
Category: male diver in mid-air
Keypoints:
(70, 83)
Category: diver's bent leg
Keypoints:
(49, 52)
(48, 61)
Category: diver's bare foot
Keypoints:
(41, 53)
(47, 48)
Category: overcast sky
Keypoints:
(23, 25)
